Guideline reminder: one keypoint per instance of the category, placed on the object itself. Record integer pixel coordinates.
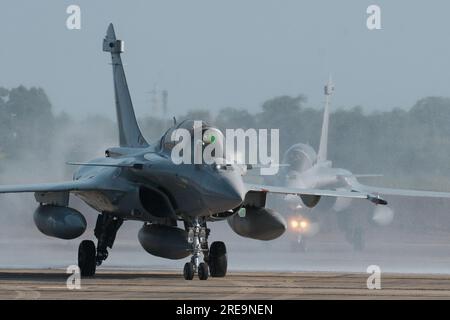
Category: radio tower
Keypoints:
(159, 101)
(154, 100)
(165, 98)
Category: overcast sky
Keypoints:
(234, 53)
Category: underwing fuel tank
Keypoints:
(164, 241)
(257, 223)
(59, 222)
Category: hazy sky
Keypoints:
(215, 54)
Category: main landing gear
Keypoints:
(86, 258)
(215, 258)
(105, 231)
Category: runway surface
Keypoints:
(135, 284)
(414, 261)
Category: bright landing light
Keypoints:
(297, 224)
(303, 224)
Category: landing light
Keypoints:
(298, 224)
(303, 224)
(294, 224)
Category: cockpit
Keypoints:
(204, 142)
(300, 157)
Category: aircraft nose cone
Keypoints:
(232, 193)
(233, 196)
(229, 193)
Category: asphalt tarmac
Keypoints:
(133, 284)
(414, 259)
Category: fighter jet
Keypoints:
(140, 181)
(308, 169)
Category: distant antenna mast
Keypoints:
(159, 101)
(155, 100)
(323, 146)
(165, 98)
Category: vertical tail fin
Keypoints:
(129, 132)
(323, 146)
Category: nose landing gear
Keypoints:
(197, 238)
(215, 258)
(299, 245)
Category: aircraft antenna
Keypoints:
(159, 101)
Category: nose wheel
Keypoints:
(203, 271)
(188, 271)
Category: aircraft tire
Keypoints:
(203, 271)
(188, 271)
(218, 261)
(87, 258)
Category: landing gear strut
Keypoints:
(198, 239)
(105, 231)
(299, 245)
(215, 258)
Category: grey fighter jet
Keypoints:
(140, 181)
(308, 169)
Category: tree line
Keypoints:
(409, 144)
